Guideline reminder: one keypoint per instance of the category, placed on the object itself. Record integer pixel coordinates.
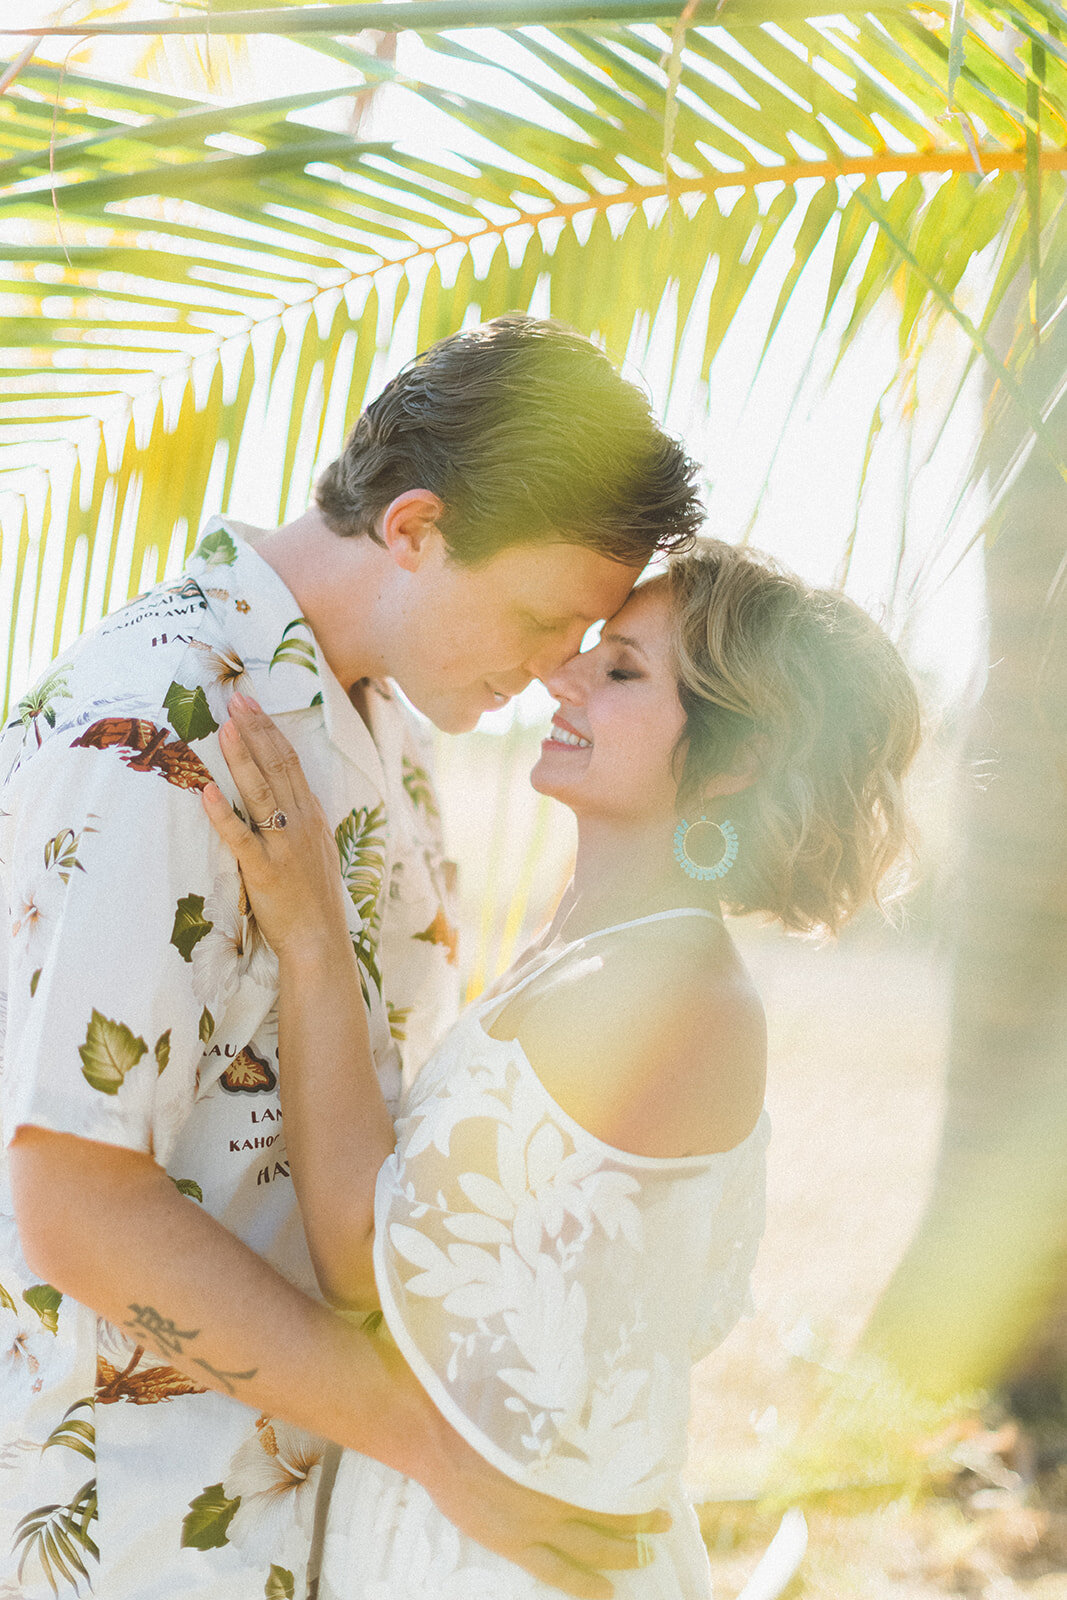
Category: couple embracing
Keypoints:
(428, 1337)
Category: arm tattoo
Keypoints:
(163, 1330)
(224, 1377)
(165, 1333)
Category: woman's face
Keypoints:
(611, 750)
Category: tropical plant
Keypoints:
(188, 271)
(187, 274)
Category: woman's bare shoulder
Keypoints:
(655, 1041)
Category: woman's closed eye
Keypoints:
(621, 674)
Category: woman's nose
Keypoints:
(565, 682)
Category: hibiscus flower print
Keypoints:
(275, 1474)
(36, 910)
(37, 901)
(221, 673)
(233, 947)
(25, 1352)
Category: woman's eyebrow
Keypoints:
(620, 638)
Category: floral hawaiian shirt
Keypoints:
(140, 1011)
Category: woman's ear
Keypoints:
(408, 527)
(744, 770)
(725, 783)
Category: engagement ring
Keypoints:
(277, 819)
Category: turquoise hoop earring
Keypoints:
(693, 869)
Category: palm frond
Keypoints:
(183, 275)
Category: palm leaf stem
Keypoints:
(885, 163)
(932, 162)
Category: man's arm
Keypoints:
(107, 1226)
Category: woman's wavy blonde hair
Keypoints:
(804, 688)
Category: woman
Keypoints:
(570, 1213)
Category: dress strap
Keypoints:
(598, 933)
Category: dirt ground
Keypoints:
(857, 1036)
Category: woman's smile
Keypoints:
(619, 710)
(565, 737)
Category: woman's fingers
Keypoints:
(275, 756)
(226, 823)
(254, 788)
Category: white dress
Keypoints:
(551, 1293)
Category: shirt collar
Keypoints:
(284, 666)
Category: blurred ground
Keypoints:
(856, 1044)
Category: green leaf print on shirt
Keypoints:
(109, 1051)
(57, 1534)
(190, 925)
(62, 851)
(361, 847)
(162, 1052)
(398, 1021)
(416, 781)
(46, 1301)
(74, 1433)
(208, 1519)
(6, 1302)
(35, 978)
(38, 703)
(188, 711)
(207, 1026)
(297, 652)
(217, 549)
(281, 1584)
(189, 1187)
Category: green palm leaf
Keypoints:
(59, 1537)
(172, 293)
(74, 1432)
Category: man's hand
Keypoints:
(556, 1542)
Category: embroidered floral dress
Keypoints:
(140, 1002)
(551, 1293)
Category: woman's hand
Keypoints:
(338, 1130)
(288, 856)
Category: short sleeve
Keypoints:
(127, 944)
(519, 1277)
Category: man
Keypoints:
(499, 497)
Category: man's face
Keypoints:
(467, 638)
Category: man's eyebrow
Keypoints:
(620, 638)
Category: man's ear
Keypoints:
(408, 527)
